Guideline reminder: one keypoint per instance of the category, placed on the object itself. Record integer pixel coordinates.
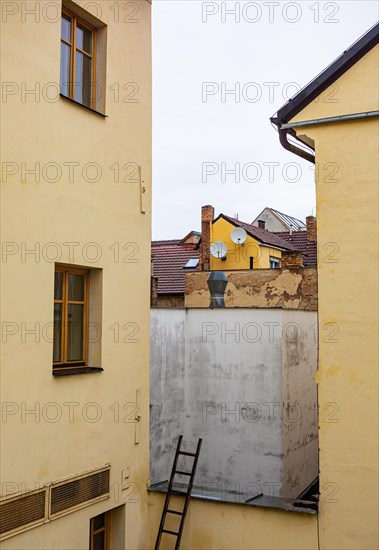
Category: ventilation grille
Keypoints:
(19, 512)
(45, 504)
(79, 491)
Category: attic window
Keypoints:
(262, 224)
(192, 263)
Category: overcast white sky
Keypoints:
(196, 133)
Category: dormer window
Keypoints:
(192, 263)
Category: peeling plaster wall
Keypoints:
(287, 288)
(226, 376)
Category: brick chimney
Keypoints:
(207, 216)
(311, 229)
(292, 258)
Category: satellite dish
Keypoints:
(219, 249)
(238, 235)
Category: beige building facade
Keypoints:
(76, 211)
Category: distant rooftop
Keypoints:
(171, 261)
(290, 221)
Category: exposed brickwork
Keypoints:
(292, 259)
(311, 229)
(289, 288)
(154, 291)
(300, 240)
(207, 216)
(171, 301)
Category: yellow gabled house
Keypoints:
(260, 249)
(229, 244)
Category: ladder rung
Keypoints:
(187, 454)
(170, 532)
(183, 473)
(174, 512)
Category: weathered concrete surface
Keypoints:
(279, 288)
(236, 378)
(299, 428)
(167, 376)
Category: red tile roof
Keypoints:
(300, 241)
(169, 259)
(262, 235)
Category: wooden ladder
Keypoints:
(187, 494)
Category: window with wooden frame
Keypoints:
(78, 59)
(71, 312)
(100, 530)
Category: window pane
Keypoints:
(83, 39)
(98, 522)
(65, 69)
(83, 79)
(75, 331)
(58, 285)
(66, 28)
(99, 541)
(57, 338)
(75, 287)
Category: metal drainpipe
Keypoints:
(292, 148)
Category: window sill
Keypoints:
(83, 106)
(233, 497)
(76, 370)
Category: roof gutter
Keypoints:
(289, 127)
(328, 120)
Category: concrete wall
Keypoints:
(228, 376)
(300, 422)
(286, 288)
(36, 213)
(167, 383)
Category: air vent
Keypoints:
(66, 496)
(22, 511)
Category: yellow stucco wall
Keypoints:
(238, 257)
(347, 214)
(224, 526)
(44, 216)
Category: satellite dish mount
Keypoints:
(219, 250)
